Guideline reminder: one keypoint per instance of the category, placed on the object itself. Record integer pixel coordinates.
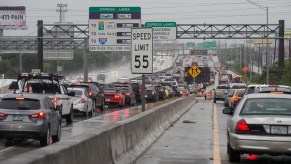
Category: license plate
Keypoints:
(107, 100)
(17, 117)
(279, 129)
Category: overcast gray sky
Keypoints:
(180, 11)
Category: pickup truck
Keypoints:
(48, 83)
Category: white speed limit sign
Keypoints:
(142, 50)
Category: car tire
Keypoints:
(92, 111)
(57, 137)
(102, 107)
(233, 156)
(69, 117)
(9, 142)
(86, 113)
(45, 140)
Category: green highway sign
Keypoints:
(163, 30)
(114, 9)
(110, 27)
(160, 24)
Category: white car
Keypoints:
(81, 101)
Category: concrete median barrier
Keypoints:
(121, 142)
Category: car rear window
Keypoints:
(44, 87)
(23, 104)
(267, 106)
(13, 85)
(276, 89)
(110, 90)
(77, 92)
(222, 87)
(240, 93)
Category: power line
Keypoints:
(222, 16)
(180, 13)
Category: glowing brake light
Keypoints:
(37, 115)
(116, 96)
(127, 94)
(3, 115)
(153, 93)
(242, 127)
(90, 93)
(19, 98)
(82, 100)
(236, 99)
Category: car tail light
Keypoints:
(37, 115)
(116, 96)
(90, 94)
(236, 99)
(127, 94)
(242, 127)
(55, 101)
(153, 93)
(3, 115)
(83, 100)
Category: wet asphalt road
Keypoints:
(22, 146)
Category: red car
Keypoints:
(114, 96)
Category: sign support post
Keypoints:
(143, 93)
(142, 55)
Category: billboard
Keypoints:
(12, 17)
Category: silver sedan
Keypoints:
(261, 124)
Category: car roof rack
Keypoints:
(40, 75)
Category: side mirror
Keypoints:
(71, 94)
(227, 111)
(58, 108)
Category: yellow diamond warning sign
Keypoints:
(194, 71)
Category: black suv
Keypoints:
(136, 87)
(93, 92)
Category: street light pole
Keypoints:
(267, 53)
(265, 8)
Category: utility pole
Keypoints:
(62, 9)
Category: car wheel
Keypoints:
(69, 117)
(86, 113)
(233, 156)
(57, 137)
(102, 107)
(92, 113)
(45, 140)
(9, 142)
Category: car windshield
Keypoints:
(267, 106)
(20, 104)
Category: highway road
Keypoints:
(111, 114)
